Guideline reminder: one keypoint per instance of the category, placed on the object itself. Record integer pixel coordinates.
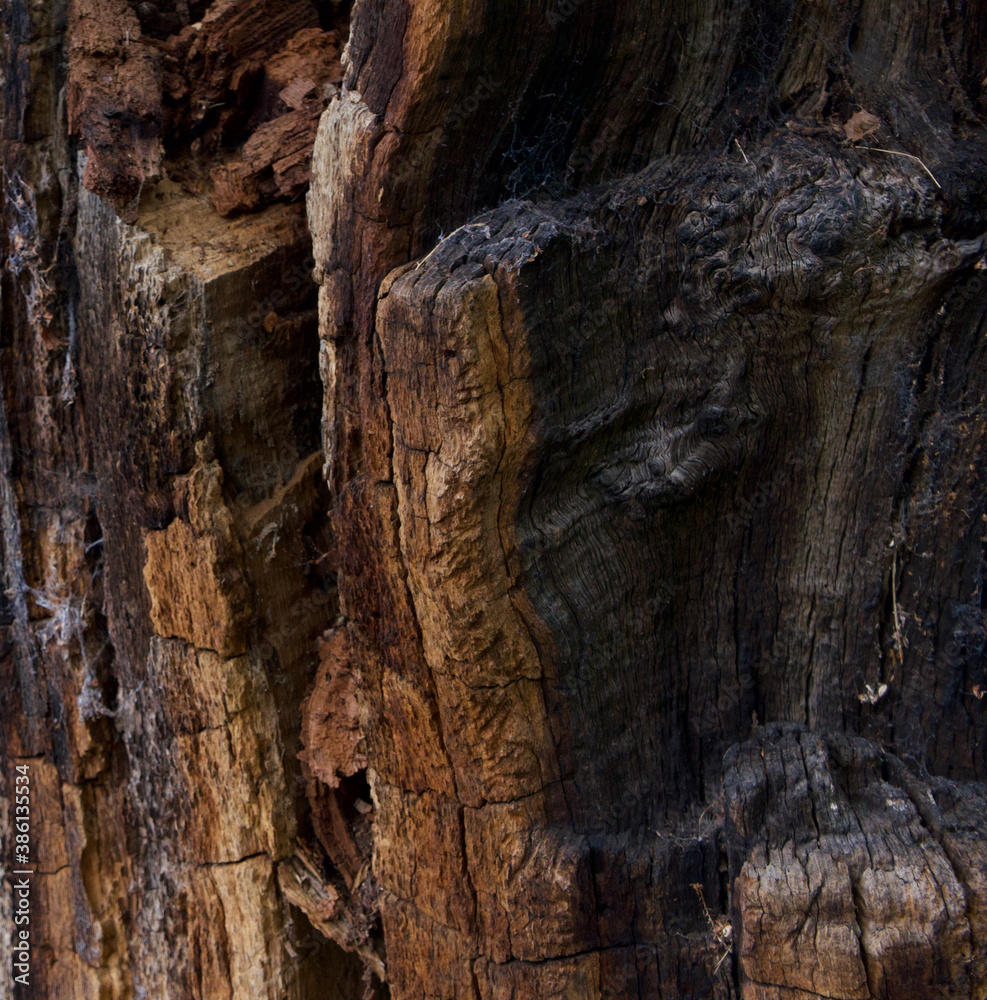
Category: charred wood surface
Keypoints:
(576, 590)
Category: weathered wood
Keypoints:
(661, 460)
(165, 524)
(852, 875)
(636, 647)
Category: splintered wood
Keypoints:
(228, 105)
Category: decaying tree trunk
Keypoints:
(621, 633)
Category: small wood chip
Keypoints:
(296, 92)
(861, 125)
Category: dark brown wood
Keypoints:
(576, 591)
(662, 452)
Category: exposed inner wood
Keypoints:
(492, 498)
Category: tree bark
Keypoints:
(627, 637)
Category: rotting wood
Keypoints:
(652, 416)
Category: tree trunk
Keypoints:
(627, 636)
